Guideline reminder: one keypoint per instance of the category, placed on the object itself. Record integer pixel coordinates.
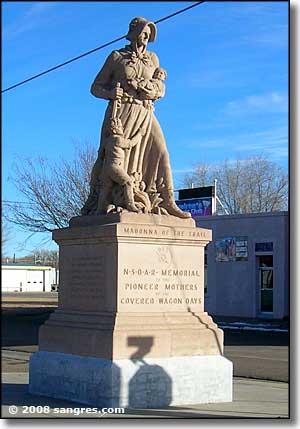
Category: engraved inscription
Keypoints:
(160, 276)
(181, 286)
(180, 273)
(175, 300)
(139, 272)
(161, 287)
(162, 272)
(144, 231)
(137, 301)
(87, 278)
(185, 233)
(141, 286)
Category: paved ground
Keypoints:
(258, 354)
(251, 398)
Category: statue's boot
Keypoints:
(170, 205)
(129, 199)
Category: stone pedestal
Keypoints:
(131, 303)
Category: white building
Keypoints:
(27, 278)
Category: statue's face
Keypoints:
(159, 74)
(143, 37)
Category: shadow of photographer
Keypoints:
(151, 386)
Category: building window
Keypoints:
(264, 247)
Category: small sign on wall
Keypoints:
(231, 249)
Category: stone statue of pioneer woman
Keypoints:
(146, 163)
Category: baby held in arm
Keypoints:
(154, 87)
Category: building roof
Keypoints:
(242, 216)
(18, 266)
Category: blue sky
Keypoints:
(227, 85)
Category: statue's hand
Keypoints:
(133, 83)
(116, 93)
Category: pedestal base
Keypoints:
(131, 383)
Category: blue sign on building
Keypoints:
(196, 206)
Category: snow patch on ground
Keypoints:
(251, 327)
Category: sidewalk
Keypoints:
(252, 399)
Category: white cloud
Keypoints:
(30, 19)
(271, 102)
(216, 143)
(182, 170)
(271, 142)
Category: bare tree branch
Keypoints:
(53, 192)
(6, 234)
(252, 185)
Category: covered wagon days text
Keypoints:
(161, 286)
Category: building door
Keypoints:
(265, 272)
(35, 281)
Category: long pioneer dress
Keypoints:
(148, 162)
